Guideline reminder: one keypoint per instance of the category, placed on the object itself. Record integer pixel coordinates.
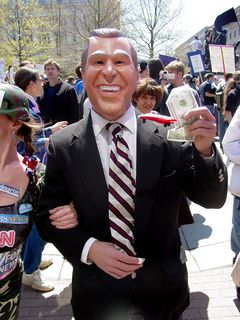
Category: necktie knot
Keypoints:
(114, 127)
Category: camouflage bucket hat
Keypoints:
(13, 102)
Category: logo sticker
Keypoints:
(25, 207)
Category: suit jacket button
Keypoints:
(133, 275)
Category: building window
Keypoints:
(230, 35)
(235, 33)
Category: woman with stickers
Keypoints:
(29, 80)
(17, 195)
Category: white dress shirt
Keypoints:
(104, 140)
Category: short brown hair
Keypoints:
(51, 62)
(177, 66)
(107, 33)
(148, 87)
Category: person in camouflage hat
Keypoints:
(14, 103)
(17, 195)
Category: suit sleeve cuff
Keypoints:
(209, 158)
(85, 251)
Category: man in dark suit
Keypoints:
(143, 277)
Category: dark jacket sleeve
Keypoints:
(210, 179)
(74, 106)
(69, 242)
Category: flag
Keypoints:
(166, 59)
(225, 18)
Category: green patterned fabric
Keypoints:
(13, 102)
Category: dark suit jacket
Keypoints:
(74, 173)
(164, 169)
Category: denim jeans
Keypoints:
(32, 251)
(235, 234)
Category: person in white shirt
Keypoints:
(196, 44)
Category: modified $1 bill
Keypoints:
(180, 101)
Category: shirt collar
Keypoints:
(128, 119)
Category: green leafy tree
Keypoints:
(25, 31)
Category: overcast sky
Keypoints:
(197, 14)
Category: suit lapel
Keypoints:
(149, 159)
(88, 163)
(89, 169)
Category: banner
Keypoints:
(225, 18)
(195, 61)
(222, 58)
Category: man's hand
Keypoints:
(202, 130)
(113, 262)
(64, 217)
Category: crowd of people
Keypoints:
(115, 188)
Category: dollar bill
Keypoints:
(180, 101)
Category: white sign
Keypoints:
(222, 58)
(197, 63)
(2, 73)
(40, 68)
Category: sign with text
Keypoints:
(222, 58)
(196, 62)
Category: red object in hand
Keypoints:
(159, 118)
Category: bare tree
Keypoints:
(92, 14)
(152, 26)
(74, 20)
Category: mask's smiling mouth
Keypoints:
(106, 88)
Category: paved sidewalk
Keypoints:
(209, 265)
(212, 295)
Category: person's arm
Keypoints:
(64, 217)
(197, 97)
(210, 95)
(228, 116)
(69, 242)
(208, 172)
(231, 105)
(73, 105)
(208, 91)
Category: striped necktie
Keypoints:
(121, 192)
